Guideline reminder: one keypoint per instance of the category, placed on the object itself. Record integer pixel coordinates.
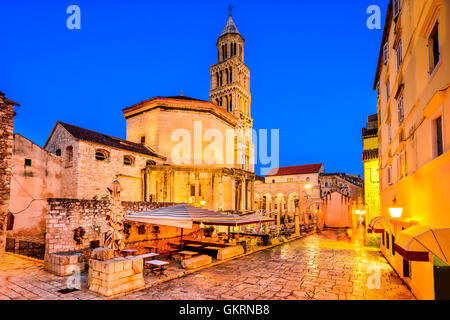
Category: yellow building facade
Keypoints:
(413, 86)
(371, 170)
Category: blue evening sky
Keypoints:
(312, 66)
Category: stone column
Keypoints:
(197, 188)
(297, 218)
(252, 195)
(220, 192)
(172, 186)
(243, 194)
(6, 144)
(279, 217)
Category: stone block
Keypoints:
(229, 252)
(102, 254)
(138, 265)
(196, 262)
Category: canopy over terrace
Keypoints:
(241, 220)
(379, 224)
(180, 216)
(417, 242)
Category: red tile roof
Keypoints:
(303, 169)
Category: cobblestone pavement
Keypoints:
(22, 279)
(318, 267)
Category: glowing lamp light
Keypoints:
(202, 202)
(358, 212)
(363, 212)
(308, 186)
(395, 210)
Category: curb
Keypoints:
(24, 257)
(186, 273)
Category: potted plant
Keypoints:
(78, 235)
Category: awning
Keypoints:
(181, 216)
(417, 242)
(379, 224)
(242, 220)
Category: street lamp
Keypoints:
(202, 202)
(357, 212)
(308, 186)
(395, 210)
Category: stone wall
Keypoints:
(6, 142)
(65, 215)
(36, 177)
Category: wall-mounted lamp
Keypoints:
(395, 210)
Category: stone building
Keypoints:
(6, 142)
(350, 185)
(177, 149)
(371, 171)
(284, 187)
(36, 176)
(413, 87)
(91, 161)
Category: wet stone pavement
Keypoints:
(320, 266)
(317, 267)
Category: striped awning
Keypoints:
(181, 216)
(417, 242)
(242, 220)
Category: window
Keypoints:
(401, 114)
(192, 190)
(396, 8)
(143, 139)
(406, 269)
(433, 47)
(389, 175)
(439, 146)
(399, 55)
(69, 155)
(58, 152)
(273, 181)
(101, 155)
(388, 90)
(393, 244)
(386, 52)
(27, 162)
(128, 160)
(326, 184)
(150, 163)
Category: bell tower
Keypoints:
(230, 89)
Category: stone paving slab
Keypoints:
(316, 267)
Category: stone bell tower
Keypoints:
(230, 89)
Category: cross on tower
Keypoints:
(230, 8)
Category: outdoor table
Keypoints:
(186, 254)
(157, 265)
(151, 248)
(129, 252)
(171, 252)
(194, 245)
(148, 255)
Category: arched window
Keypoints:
(231, 75)
(58, 152)
(235, 49)
(217, 79)
(69, 155)
(128, 160)
(231, 104)
(226, 51)
(101, 155)
(226, 71)
(151, 163)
